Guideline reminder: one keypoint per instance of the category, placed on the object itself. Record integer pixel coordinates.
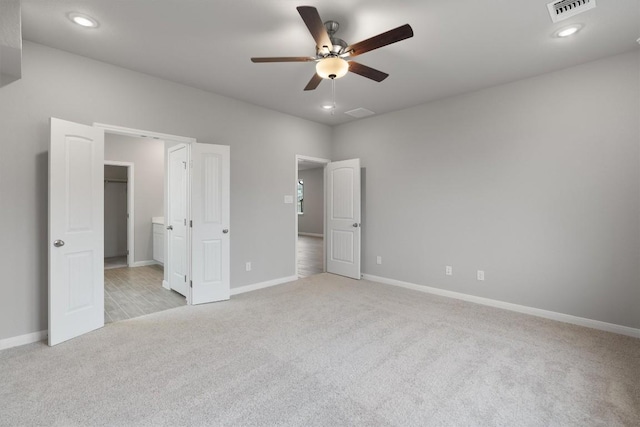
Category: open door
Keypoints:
(343, 218)
(177, 261)
(76, 247)
(210, 192)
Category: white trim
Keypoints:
(145, 263)
(262, 285)
(130, 207)
(139, 133)
(310, 234)
(311, 159)
(325, 162)
(560, 317)
(165, 285)
(23, 340)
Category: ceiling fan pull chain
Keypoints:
(333, 94)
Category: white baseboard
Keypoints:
(262, 285)
(561, 317)
(310, 234)
(165, 285)
(145, 263)
(23, 339)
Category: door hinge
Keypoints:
(191, 223)
(191, 283)
(185, 164)
(185, 222)
(185, 278)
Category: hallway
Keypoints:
(310, 255)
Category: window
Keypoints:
(300, 197)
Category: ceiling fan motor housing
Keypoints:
(339, 45)
(332, 27)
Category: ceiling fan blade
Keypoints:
(312, 19)
(284, 59)
(368, 72)
(313, 83)
(384, 39)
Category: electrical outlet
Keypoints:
(480, 275)
(448, 270)
(378, 260)
(247, 266)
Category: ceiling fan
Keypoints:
(333, 54)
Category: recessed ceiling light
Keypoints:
(83, 20)
(328, 106)
(568, 31)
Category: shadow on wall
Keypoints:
(42, 257)
(363, 214)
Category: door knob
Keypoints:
(170, 227)
(58, 243)
(225, 231)
(355, 224)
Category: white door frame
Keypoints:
(130, 208)
(139, 133)
(119, 130)
(323, 162)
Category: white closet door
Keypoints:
(76, 235)
(210, 235)
(177, 247)
(343, 218)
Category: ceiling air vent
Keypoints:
(561, 10)
(359, 113)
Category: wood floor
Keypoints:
(310, 256)
(133, 292)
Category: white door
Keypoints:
(343, 218)
(210, 214)
(76, 235)
(177, 219)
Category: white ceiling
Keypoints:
(459, 45)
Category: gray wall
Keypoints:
(115, 211)
(147, 155)
(114, 172)
(312, 221)
(536, 182)
(55, 83)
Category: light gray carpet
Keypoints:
(328, 351)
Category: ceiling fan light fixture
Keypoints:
(332, 67)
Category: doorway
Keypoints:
(76, 224)
(118, 214)
(134, 228)
(310, 215)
